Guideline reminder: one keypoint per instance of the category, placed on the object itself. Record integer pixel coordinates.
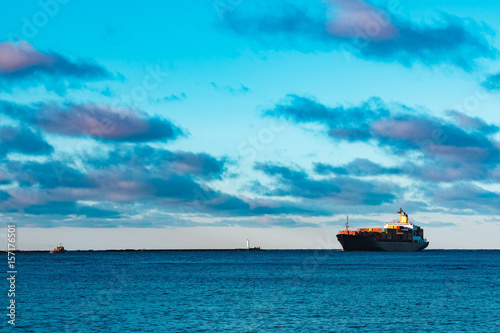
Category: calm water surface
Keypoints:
(277, 291)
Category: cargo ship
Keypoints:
(402, 236)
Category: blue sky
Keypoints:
(203, 125)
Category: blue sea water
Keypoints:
(267, 291)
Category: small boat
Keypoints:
(58, 249)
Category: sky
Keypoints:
(199, 125)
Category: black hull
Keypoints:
(369, 243)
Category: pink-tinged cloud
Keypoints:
(194, 164)
(267, 203)
(21, 55)
(3, 176)
(459, 153)
(24, 197)
(495, 174)
(452, 172)
(466, 121)
(406, 130)
(22, 66)
(358, 19)
(100, 121)
(106, 122)
(118, 186)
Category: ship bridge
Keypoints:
(403, 222)
(394, 225)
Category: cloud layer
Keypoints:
(22, 65)
(127, 180)
(338, 190)
(365, 31)
(453, 149)
(447, 163)
(400, 131)
(103, 122)
(359, 167)
(22, 140)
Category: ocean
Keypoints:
(266, 291)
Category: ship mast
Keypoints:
(347, 224)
